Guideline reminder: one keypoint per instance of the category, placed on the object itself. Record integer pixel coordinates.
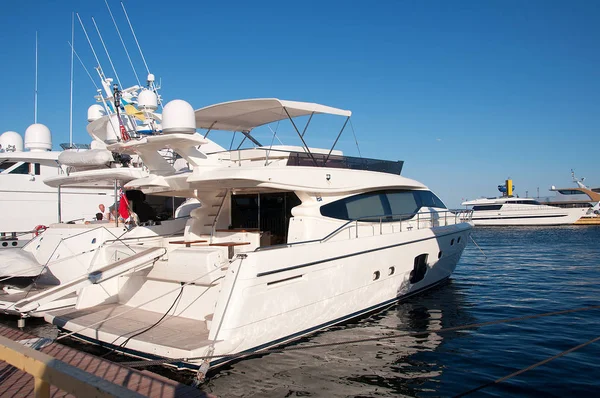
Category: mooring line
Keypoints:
(535, 365)
(393, 336)
(482, 252)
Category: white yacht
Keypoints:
(581, 196)
(28, 204)
(288, 240)
(509, 210)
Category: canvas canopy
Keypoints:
(244, 115)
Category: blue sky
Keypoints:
(467, 93)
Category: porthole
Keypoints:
(452, 242)
(391, 270)
(458, 240)
(14, 243)
(4, 244)
(440, 254)
(376, 275)
(93, 241)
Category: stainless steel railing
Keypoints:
(393, 223)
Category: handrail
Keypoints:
(47, 371)
(460, 215)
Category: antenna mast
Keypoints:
(107, 54)
(122, 42)
(134, 36)
(71, 93)
(35, 93)
(89, 42)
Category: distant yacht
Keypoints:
(514, 211)
(581, 196)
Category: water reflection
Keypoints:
(398, 366)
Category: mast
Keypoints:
(35, 93)
(71, 92)
(123, 43)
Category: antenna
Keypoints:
(35, 93)
(82, 64)
(71, 93)
(107, 54)
(122, 42)
(89, 42)
(134, 36)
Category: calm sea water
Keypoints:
(527, 271)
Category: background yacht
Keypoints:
(510, 210)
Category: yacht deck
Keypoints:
(172, 332)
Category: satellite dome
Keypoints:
(178, 117)
(11, 141)
(95, 112)
(38, 138)
(148, 100)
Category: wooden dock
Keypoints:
(588, 221)
(41, 372)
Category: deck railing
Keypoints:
(388, 224)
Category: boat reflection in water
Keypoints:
(403, 365)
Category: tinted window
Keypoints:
(401, 204)
(6, 165)
(22, 169)
(428, 199)
(486, 207)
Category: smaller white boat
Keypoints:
(509, 210)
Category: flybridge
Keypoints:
(245, 115)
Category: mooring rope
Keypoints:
(535, 365)
(388, 337)
(473, 240)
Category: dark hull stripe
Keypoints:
(293, 267)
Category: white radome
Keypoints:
(95, 112)
(178, 117)
(147, 100)
(11, 139)
(38, 138)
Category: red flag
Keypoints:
(123, 206)
(124, 134)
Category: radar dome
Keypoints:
(38, 138)
(95, 112)
(147, 100)
(11, 141)
(178, 117)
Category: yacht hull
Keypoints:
(271, 297)
(543, 215)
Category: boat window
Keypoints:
(569, 192)
(6, 165)
(365, 206)
(37, 169)
(23, 168)
(428, 199)
(486, 207)
(395, 204)
(403, 202)
(523, 202)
